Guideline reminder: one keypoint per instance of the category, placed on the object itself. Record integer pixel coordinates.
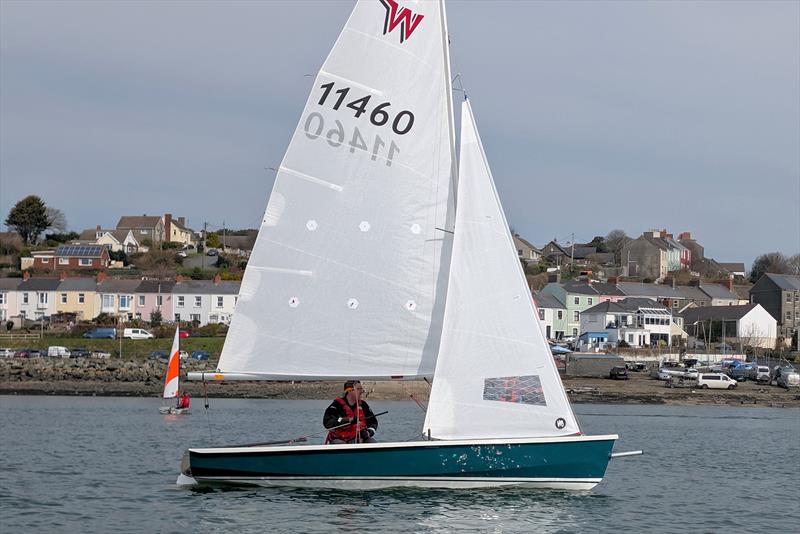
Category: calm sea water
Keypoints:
(70, 464)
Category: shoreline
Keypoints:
(637, 390)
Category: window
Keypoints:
(141, 300)
(24, 298)
(159, 300)
(674, 303)
(81, 298)
(630, 338)
(198, 301)
(144, 232)
(180, 301)
(177, 317)
(63, 298)
(577, 300)
(560, 314)
(108, 302)
(42, 260)
(85, 262)
(788, 297)
(125, 302)
(2, 298)
(194, 317)
(788, 316)
(576, 316)
(42, 298)
(589, 301)
(63, 261)
(219, 304)
(574, 331)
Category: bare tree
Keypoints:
(159, 263)
(772, 262)
(615, 240)
(56, 219)
(794, 264)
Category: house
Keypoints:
(114, 240)
(736, 269)
(144, 227)
(527, 252)
(779, 294)
(240, 245)
(9, 306)
(555, 254)
(639, 322)
(151, 296)
(39, 259)
(176, 231)
(552, 315)
(696, 250)
(721, 294)
(117, 296)
(576, 296)
(78, 295)
(748, 325)
(36, 297)
(204, 301)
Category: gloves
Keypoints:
(367, 433)
(371, 432)
(345, 421)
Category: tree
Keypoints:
(794, 264)
(615, 241)
(160, 263)
(212, 240)
(56, 219)
(772, 262)
(29, 218)
(156, 318)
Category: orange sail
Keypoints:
(173, 368)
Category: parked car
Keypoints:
(101, 354)
(691, 374)
(79, 353)
(58, 352)
(183, 355)
(787, 377)
(759, 373)
(137, 333)
(183, 334)
(200, 355)
(7, 353)
(182, 254)
(101, 333)
(663, 375)
(22, 353)
(212, 252)
(159, 355)
(618, 373)
(715, 381)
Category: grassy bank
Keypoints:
(132, 349)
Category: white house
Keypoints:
(116, 240)
(748, 325)
(36, 297)
(551, 315)
(9, 306)
(204, 301)
(638, 322)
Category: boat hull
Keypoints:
(576, 463)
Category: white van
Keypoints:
(58, 352)
(137, 333)
(715, 381)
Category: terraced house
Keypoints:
(779, 294)
(204, 301)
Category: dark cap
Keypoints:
(351, 385)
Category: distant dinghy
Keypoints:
(172, 379)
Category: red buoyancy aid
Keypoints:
(349, 432)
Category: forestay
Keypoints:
(347, 275)
(495, 376)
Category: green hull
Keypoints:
(577, 462)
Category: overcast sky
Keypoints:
(594, 115)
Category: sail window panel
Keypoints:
(521, 389)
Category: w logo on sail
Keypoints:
(400, 16)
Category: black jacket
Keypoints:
(336, 410)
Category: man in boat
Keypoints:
(183, 401)
(350, 419)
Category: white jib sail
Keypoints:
(171, 381)
(495, 375)
(349, 270)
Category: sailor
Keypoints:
(183, 401)
(350, 419)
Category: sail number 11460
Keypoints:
(402, 122)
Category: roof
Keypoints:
(118, 285)
(39, 284)
(78, 284)
(138, 221)
(10, 283)
(175, 222)
(638, 289)
(206, 287)
(80, 251)
(242, 242)
(517, 237)
(557, 247)
(716, 313)
(595, 356)
(581, 288)
(605, 288)
(692, 293)
(718, 291)
(733, 267)
(743, 292)
(787, 282)
(629, 305)
(155, 286)
(547, 301)
(581, 251)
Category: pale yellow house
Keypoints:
(177, 232)
(79, 296)
(115, 240)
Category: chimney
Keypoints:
(167, 225)
(62, 275)
(684, 235)
(101, 276)
(217, 279)
(98, 227)
(613, 280)
(178, 279)
(26, 275)
(182, 221)
(728, 283)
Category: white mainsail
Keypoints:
(495, 375)
(349, 270)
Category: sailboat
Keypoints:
(380, 258)
(172, 378)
